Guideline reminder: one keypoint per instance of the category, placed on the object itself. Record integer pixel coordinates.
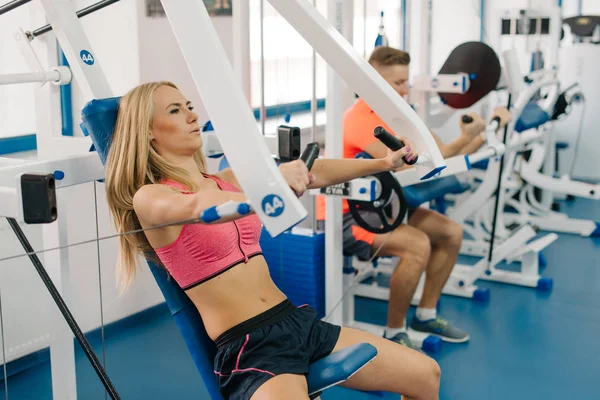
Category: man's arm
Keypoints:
(454, 147)
(377, 149)
(473, 146)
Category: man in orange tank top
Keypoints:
(430, 241)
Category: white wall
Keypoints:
(131, 49)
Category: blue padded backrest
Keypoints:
(99, 118)
(532, 117)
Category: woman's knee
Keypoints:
(429, 384)
(434, 377)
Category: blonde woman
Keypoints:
(156, 174)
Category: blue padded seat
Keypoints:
(339, 367)
(562, 145)
(98, 121)
(431, 190)
(532, 117)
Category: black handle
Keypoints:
(467, 119)
(310, 154)
(392, 142)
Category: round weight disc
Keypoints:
(384, 214)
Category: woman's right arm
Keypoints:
(159, 204)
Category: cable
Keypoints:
(498, 190)
(62, 306)
(3, 349)
(355, 280)
(100, 283)
(32, 252)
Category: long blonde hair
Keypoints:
(131, 163)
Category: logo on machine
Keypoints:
(86, 57)
(434, 83)
(273, 205)
(341, 189)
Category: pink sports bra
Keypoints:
(203, 251)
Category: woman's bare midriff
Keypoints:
(235, 296)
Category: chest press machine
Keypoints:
(360, 278)
(215, 81)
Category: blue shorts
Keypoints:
(282, 340)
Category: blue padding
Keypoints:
(297, 266)
(427, 191)
(562, 145)
(99, 118)
(339, 366)
(532, 117)
(188, 320)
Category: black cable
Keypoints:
(12, 5)
(100, 280)
(81, 13)
(3, 350)
(64, 310)
(498, 188)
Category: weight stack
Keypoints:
(296, 262)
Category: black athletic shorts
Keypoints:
(283, 340)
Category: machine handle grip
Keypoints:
(310, 154)
(392, 142)
(467, 119)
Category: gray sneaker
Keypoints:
(403, 339)
(441, 328)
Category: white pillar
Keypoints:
(333, 147)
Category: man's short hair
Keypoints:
(387, 56)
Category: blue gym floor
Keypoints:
(524, 344)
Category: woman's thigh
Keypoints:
(286, 386)
(396, 368)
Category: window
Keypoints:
(367, 19)
(288, 57)
(287, 61)
(17, 111)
